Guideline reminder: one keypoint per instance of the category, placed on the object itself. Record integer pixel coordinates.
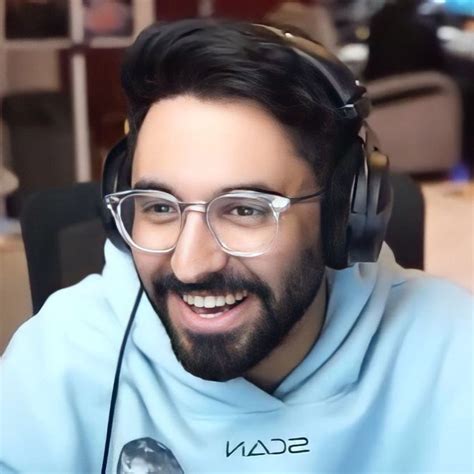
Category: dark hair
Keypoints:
(222, 60)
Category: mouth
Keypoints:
(210, 306)
(205, 312)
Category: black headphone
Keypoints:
(358, 199)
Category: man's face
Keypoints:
(196, 149)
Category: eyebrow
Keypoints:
(260, 187)
(154, 185)
(159, 186)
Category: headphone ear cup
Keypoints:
(114, 179)
(336, 207)
(368, 221)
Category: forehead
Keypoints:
(198, 147)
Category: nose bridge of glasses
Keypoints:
(199, 206)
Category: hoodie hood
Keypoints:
(350, 324)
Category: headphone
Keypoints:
(358, 198)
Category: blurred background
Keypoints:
(62, 108)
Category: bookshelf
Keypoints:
(76, 44)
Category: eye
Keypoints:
(241, 211)
(158, 208)
(245, 211)
(154, 207)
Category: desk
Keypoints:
(449, 222)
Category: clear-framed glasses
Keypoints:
(244, 223)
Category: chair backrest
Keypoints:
(406, 229)
(417, 117)
(64, 236)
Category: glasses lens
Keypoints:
(241, 224)
(153, 223)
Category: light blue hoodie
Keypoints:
(386, 388)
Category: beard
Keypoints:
(224, 356)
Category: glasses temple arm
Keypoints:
(309, 196)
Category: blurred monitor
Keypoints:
(460, 7)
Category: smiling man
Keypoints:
(246, 319)
(228, 302)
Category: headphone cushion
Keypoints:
(337, 206)
(113, 181)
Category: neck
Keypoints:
(269, 372)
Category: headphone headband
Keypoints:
(350, 93)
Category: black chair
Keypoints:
(406, 229)
(64, 236)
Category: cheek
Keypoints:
(296, 233)
(149, 265)
(299, 230)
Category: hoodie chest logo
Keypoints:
(146, 455)
(270, 447)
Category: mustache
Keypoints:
(215, 282)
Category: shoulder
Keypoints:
(72, 320)
(88, 318)
(431, 311)
(57, 372)
(426, 340)
(424, 298)
(430, 323)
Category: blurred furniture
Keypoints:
(61, 31)
(354, 56)
(417, 118)
(248, 10)
(8, 184)
(458, 46)
(406, 229)
(313, 19)
(15, 301)
(401, 41)
(457, 42)
(64, 237)
(106, 111)
(33, 19)
(41, 142)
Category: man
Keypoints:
(246, 352)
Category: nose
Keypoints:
(197, 253)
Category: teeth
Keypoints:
(199, 301)
(220, 301)
(229, 299)
(209, 302)
(214, 301)
(210, 316)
